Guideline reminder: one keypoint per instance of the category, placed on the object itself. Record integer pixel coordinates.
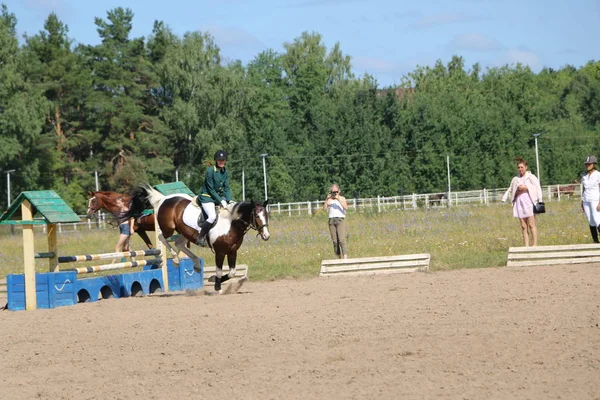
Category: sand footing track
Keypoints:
(495, 333)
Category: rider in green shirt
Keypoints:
(215, 191)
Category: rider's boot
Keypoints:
(594, 232)
(201, 241)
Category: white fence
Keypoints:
(427, 200)
(379, 204)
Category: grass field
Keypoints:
(459, 237)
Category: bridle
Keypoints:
(252, 224)
(93, 198)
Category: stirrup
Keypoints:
(201, 241)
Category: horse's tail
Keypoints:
(139, 202)
(153, 196)
(143, 198)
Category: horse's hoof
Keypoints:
(198, 270)
(212, 278)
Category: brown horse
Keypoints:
(436, 199)
(225, 237)
(108, 201)
(565, 190)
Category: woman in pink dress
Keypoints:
(524, 192)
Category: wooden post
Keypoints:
(53, 261)
(163, 252)
(29, 257)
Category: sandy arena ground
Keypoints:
(496, 333)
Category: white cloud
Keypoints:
(523, 56)
(474, 42)
(434, 20)
(232, 36)
(389, 73)
(235, 43)
(374, 64)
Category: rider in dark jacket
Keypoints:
(215, 191)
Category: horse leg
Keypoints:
(231, 259)
(231, 263)
(144, 237)
(234, 287)
(219, 258)
(180, 243)
(171, 249)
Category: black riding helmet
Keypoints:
(221, 155)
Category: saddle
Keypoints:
(202, 217)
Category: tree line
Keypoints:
(151, 108)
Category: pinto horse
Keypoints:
(225, 237)
(108, 201)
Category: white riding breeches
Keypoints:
(590, 208)
(211, 212)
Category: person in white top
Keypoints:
(590, 196)
(336, 206)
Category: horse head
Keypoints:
(93, 204)
(105, 200)
(260, 219)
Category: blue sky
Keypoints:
(385, 38)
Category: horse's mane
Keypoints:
(109, 193)
(111, 196)
(241, 209)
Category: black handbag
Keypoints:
(539, 207)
